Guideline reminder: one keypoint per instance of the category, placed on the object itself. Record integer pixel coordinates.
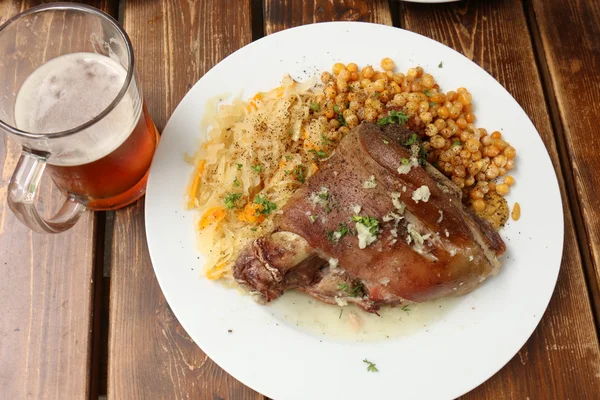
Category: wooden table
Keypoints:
(82, 313)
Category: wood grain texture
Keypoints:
(569, 33)
(284, 14)
(562, 358)
(46, 290)
(150, 355)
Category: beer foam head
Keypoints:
(69, 91)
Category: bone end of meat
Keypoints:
(273, 263)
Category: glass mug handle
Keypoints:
(22, 190)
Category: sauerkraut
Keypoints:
(255, 155)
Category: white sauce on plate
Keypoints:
(302, 312)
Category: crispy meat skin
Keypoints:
(459, 251)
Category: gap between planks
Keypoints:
(397, 11)
(96, 345)
(101, 287)
(258, 32)
(564, 161)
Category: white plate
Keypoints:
(478, 335)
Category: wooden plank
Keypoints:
(150, 355)
(569, 32)
(46, 291)
(284, 14)
(562, 359)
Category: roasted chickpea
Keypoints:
(443, 112)
(399, 100)
(330, 92)
(370, 114)
(368, 72)
(437, 142)
(387, 64)
(509, 180)
(325, 77)
(351, 120)
(430, 129)
(510, 152)
(427, 81)
(379, 85)
(337, 68)
(399, 78)
(502, 189)
(412, 73)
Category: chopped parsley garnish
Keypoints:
(236, 183)
(441, 64)
(404, 161)
(412, 140)
(457, 143)
(287, 171)
(370, 222)
(427, 92)
(343, 229)
(314, 106)
(239, 166)
(253, 229)
(335, 236)
(341, 120)
(230, 200)
(320, 153)
(336, 109)
(257, 168)
(330, 236)
(323, 195)
(432, 104)
(327, 208)
(376, 94)
(357, 291)
(326, 140)
(300, 173)
(312, 219)
(267, 206)
(291, 132)
(385, 141)
(394, 117)
(288, 158)
(371, 367)
(341, 311)
(423, 154)
(405, 308)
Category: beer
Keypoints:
(108, 165)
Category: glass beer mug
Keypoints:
(69, 97)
